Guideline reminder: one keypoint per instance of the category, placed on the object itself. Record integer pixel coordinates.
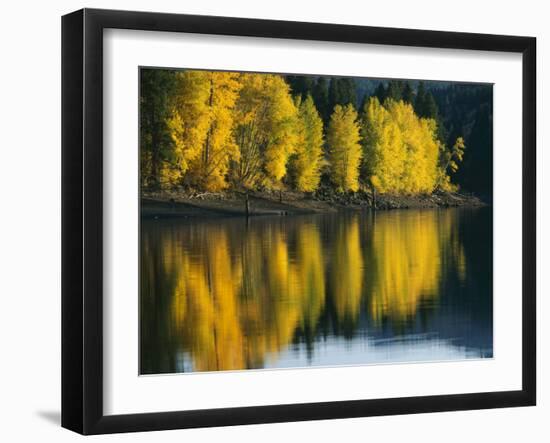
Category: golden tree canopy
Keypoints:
(309, 147)
(401, 149)
(344, 149)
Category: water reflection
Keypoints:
(231, 294)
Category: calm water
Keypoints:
(337, 289)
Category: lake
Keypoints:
(346, 288)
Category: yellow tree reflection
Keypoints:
(347, 270)
(232, 312)
(230, 296)
(405, 260)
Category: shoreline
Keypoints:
(172, 204)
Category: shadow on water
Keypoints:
(331, 289)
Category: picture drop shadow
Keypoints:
(53, 417)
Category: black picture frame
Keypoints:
(82, 220)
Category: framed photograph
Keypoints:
(269, 221)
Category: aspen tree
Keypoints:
(344, 148)
(265, 130)
(308, 159)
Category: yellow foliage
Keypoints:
(201, 126)
(449, 159)
(265, 130)
(401, 150)
(344, 148)
(217, 127)
(189, 122)
(309, 147)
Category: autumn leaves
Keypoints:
(221, 130)
(344, 149)
(308, 161)
(401, 149)
(201, 129)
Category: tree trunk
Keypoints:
(206, 154)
